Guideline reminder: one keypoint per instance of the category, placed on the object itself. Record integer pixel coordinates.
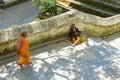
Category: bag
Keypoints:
(82, 38)
(18, 43)
(18, 52)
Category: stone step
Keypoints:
(102, 5)
(5, 61)
(91, 10)
(114, 2)
(111, 6)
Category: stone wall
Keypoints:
(98, 26)
(38, 32)
(57, 27)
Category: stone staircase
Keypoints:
(96, 7)
(112, 1)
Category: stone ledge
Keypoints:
(35, 39)
(36, 27)
(95, 19)
(98, 20)
(38, 32)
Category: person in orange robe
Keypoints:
(22, 49)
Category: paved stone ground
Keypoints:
(60, 61)
(18, 14)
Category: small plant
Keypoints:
(47, 8)
(59, 10)
(45, 5)
(37, 19)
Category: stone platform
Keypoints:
(60, 61)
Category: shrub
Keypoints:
(45, 5)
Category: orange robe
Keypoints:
(24, 53)
(78, 40)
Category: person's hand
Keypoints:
(18, 52)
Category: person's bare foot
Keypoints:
(20, 66)
(30, 62)
(87, 42)
(73, 45)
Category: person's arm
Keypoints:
(70, 33)
(78, 31)
(20, 43)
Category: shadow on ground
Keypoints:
(61, 61)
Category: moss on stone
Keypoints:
(7, 47)
(37, 38)
(51, 34)
(59, 32)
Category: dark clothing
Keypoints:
(73, 34)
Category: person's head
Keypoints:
(24, 33)
(72, 26)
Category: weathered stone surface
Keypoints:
(60, 61)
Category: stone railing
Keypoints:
(57, 27)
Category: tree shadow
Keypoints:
(94, 62)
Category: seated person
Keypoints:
(75, 35)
